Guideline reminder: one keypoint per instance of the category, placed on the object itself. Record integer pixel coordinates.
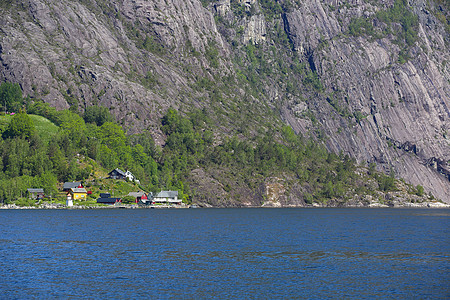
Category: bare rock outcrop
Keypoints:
(401, 110)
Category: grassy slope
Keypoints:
(44, 127)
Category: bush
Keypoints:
(128, 200)
(386, 183)
(419, 190)
(360, 26)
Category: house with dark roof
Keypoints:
(105, 198)
(71, 185)
(168, 197)
(110, 201)
(35, 193)
(119, 174)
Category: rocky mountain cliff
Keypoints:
(368, 78)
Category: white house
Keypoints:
(169, 197)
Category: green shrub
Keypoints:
(128, 200)
(419, 190)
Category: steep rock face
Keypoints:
(140, 57)
(174, 22)
(404, 107)
(80, 53)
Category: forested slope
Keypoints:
(49, 147)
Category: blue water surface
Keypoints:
(225, 253)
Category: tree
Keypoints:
(128, 199)
(48, 182)
(21, 126)
(113, 136)
(98, 115)
(73, 125)
(419, 190)
(11, 96)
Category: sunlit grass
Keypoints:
(44, 127)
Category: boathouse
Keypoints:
(105, 198)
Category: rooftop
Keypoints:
(70, 185)
(35, 190)
(167, 194)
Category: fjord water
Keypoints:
(225, 253)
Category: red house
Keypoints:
(140, 196)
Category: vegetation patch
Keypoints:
(404, 34)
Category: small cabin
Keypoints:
(36, 194)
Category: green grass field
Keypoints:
(44, 127)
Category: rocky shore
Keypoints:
(373, 204)
(62, 206)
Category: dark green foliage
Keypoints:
(150, 80)
(313, 80)
(143, 36)
(22, 154)
(98, 115)
(386, 183)
(128, 200)
(271, 8)
(10, 97)
(419, 190)
(238, 8)
(7, 3)
(359, 116)
(441, 12)
(360, 26)
(372, 170)
(342, 110)
(206, 2)
(329, 175)
(212, 54)
(45, 110)
(400, 13)
(150, 44)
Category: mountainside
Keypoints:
(368, 78)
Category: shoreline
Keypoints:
(77, 207)
(430, 205)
